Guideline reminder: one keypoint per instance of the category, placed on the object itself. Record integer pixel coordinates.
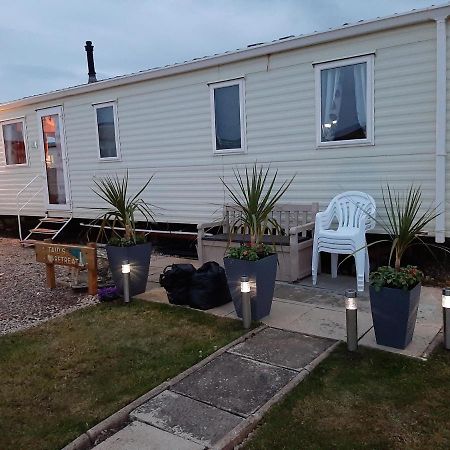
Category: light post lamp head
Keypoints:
(350, 299)
(446, 298)
(126, 268)
(245, 284)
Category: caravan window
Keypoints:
(13, 133)
(228, 117)
(107, 131)
(344, 91)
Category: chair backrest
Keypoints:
(285, 214)
(350, 206)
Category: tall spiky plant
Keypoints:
(122, 206)
(405, 220)
(256, 197)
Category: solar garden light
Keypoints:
(246, 302)
(126, 269)
(446, 315)
(351, 318)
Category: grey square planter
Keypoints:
(394, 314)
(261, 274)
(139, 259)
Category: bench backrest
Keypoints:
(287, 215)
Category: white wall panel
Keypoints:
(165, 129)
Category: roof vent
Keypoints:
(90, 61)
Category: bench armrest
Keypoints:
(301, 228)
(217, 223)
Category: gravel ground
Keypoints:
(24, 299)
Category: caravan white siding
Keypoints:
(14, 178)
(165, 129)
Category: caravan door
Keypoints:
(53, 148)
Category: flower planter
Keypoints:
(139, 259)
(261, 274)
(394, 313)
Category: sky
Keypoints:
(42, 42)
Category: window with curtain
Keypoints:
(228, 116)
(107, 130)
(14, 143)
(346, 98)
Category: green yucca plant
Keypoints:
(405, 220)
(256, 197)
(122, 207)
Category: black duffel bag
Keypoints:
(209, 287)
(176, 280)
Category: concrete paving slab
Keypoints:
(283, 313)
(337, 285)
(429, 314)
(326, 299)
(139, 436)
(431, 296)
(222, 311)
(323, 298)
(186, 418)
(423, 336)
(152, 285)
(283, 348)
(289, 291)
(234, 383)
(157, 294)
(328, 323)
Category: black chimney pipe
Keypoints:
(90, 60)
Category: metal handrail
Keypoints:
(20, 208)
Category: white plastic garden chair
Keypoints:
(354, 213)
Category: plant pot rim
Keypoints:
(249, 260)
(128, 246)
(397, 289)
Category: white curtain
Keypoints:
(360, 75)
(331, 101)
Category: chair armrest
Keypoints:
(324, 218)
(217, 223)
(300, 228)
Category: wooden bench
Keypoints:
(293, 245)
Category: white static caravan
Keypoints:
(278, 103)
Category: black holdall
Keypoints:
(204, 288)
(209, 287)
(176, 280)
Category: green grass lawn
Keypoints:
(374, 400)
(61, 378)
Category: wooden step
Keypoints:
(29, 242)
(43, 231)
(54, 220)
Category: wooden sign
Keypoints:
(68, 255)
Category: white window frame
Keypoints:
(369, 60)
(25, 140)
(116, 131)
(212, 86)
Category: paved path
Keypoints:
(320, 311)
(233, 390)
(223, 397)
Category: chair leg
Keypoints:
(334, 264)
(367, 266)
(360, 259)
(314, 264)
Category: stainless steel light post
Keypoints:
(351, 316)
(446, 316)
(246, 302)
(126, 269)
